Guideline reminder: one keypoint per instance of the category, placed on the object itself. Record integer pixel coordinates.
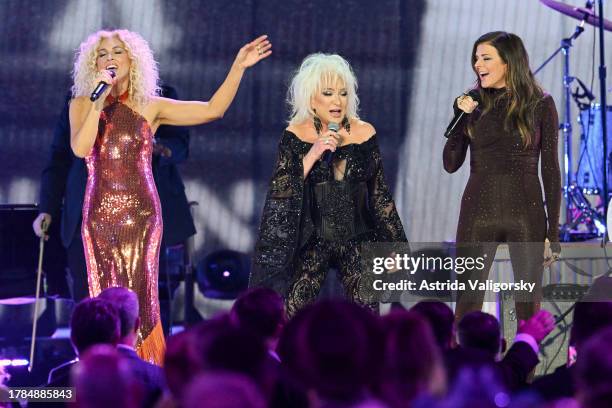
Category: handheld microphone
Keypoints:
(328, 156)
(101, 87)
(459, 115)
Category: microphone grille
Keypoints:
(333, 126)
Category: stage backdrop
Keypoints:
(411, 59)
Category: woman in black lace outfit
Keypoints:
(319, 209)
(513, 126)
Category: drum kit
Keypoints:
(586, 190)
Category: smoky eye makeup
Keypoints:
(330, 92)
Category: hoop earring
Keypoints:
(317, 122)
(346, 124)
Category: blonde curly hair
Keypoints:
(143, 75)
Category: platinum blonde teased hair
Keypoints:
(316, 71)
(143, 75)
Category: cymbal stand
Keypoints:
(574, 198)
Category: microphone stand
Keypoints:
(604, 106)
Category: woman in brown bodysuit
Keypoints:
(513, 126)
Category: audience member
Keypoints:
(334, 354)
(150, 376)
(593, 374)
(332, 351)
(183, 360)
(441, 319)
(94, 321)
(261, 311)
(103, 379)
(480, 345)
(181, 365)
(222, 390)
(216, 345)
(589, 319)
(412, 364)
(479, 388)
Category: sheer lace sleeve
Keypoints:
(279, 230)
(388, 224)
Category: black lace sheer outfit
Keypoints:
(502, 201)
(311, 224)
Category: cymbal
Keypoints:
(579, 13)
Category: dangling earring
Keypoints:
(346, 124)
(317, 122)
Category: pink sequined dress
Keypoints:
(122, 219)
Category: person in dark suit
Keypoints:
(593, 373)
(480, 343)
(149, 376)
(592, 315)
(93, 321)
(63, 182)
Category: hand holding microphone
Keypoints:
(328, 155)
(466, 104)
(324, 146)
(105, 79)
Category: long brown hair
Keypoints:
(522, 90)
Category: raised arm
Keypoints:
(551, 173)
(188, 113)
(171, 142)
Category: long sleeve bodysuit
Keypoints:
(502, 201)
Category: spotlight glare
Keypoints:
(16, 362)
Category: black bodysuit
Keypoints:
(311, 224)
(502, 201)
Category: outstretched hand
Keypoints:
(539, 326)
(254, 52)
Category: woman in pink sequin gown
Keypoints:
(122, 224)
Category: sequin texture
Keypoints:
(502, 201)
(122, 223)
